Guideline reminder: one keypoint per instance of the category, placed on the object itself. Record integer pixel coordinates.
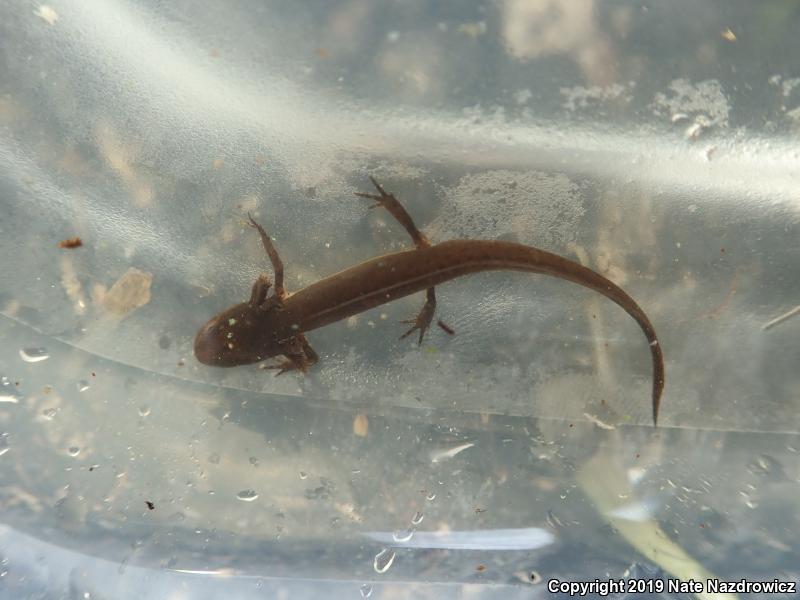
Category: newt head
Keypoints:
(234, 337)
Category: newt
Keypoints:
(273, 325)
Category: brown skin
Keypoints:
(268, 326)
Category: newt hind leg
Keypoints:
(388, 201)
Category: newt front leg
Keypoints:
(299, 356)
(298, 352)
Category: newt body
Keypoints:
(269, 326)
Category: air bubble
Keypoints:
(144, 411)
(7, 392)
(383, 560)
(417, 518)
(247, 495)
(33, 355)
(83, 385)
(366, 590)
(73, 451)
(403, 536)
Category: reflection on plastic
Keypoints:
(530, 538)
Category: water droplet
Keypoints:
(144, 411)
(403, 536)
(49, 413)
(33, 355)
(11, 398)
(417, 518)
(383, 560)
(247, 495)
(7, 391)
(73, 450)
(303, 475)
(254, 461)
(430, 497)
(214, 459)
(83, 385)
(366, 590)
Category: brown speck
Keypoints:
(91, 468)
(181, 362)
(535, 577)
(73, 242)
(571, 425)
(261, 160)
(322, 52)
(446, 328)
(702, 525)
(218, 162)
(150, 505)
(722, 250)
(214, 53)
(637, 455)
(480, 568)
(94, 374)
(479, 510)
(361, 425)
